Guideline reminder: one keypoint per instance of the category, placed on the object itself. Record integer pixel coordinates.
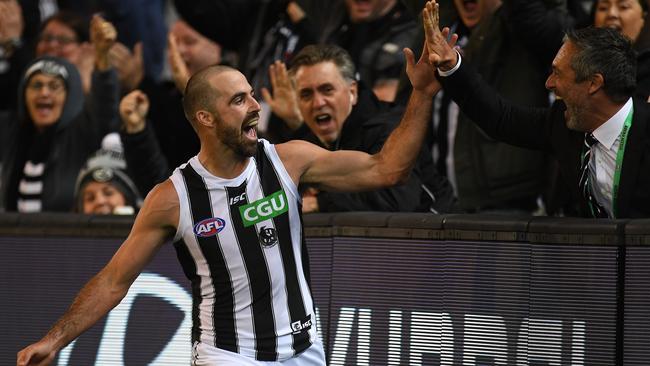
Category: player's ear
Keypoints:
(204, 118)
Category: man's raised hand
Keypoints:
(283, 101)
(438, 43)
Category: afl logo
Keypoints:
(209, 227)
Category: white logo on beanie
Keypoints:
(49, 67)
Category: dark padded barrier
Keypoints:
(390, 289)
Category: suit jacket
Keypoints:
(545, 129)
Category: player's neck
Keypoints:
(222, 161)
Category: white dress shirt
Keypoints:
(602, 164)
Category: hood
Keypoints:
(74, 100)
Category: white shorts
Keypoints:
(207, 355)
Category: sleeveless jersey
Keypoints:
(240, 243)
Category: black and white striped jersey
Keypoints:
(240, 243)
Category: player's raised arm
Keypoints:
(354, 170)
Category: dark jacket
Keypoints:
(366, 129)
(376, 47)
(145, 159)
(545, 129)
(489, 173)
(76, 135)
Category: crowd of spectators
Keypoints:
(330, 72)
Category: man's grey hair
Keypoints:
(315, 54)
(607, 52)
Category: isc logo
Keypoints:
(300, 326)
(209, 227)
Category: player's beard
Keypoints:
(234, 137)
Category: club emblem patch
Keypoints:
(268, 236)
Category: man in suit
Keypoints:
(596, 130)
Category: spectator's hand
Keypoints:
(133, 110)
(129, 66)
(180, 73)
(102, 37)
(11, 21)
(295, 12)
(283, 102)
(310, 200)
(441, 51)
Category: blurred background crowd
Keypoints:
(91, 115)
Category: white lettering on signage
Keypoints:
(540, 339)
(476, 344)
(111, 348)
(431, 333)
(578, 343)
(394, 338)
(485, 339)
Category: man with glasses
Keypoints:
(45, 145)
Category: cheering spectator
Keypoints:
(54, 132)
(342, 114)
(374, 34)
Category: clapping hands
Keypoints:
(283, 101)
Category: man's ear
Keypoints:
(354, 92)
(204, 118)
(596, 83)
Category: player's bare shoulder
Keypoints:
(297, 156)
(161, 207)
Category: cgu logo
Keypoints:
(264, 209)
(209, 227)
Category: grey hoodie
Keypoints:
(74, 137)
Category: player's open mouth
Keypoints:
(250, 129)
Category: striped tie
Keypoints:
(585, 187)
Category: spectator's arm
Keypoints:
(145, 161)
(102, 37)
(11, 26)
